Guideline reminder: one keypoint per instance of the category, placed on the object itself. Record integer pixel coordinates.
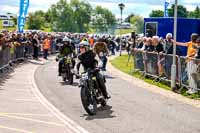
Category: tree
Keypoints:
(182, 11)
(103, 19)
(81, 14)
(71, 17)
(156, 13)
(36, 20)
(195, 13)
(138, 23)
(128, 19)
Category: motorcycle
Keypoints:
(67, 70)
(91, 94)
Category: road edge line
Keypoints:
(74, 127)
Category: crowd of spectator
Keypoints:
(165, 46)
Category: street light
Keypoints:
(173, 70)
(121, 7)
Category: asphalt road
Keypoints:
(131, 110)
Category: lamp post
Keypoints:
(121, 7)
(173, 70)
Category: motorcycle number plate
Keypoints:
(68, 61)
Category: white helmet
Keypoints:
(66, 39)
(84, 43)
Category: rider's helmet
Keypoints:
(84, 44)
(66, 40)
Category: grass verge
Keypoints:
(123, 65)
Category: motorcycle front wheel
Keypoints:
(89, 102)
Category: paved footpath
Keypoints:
(21, 108)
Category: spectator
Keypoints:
(36, 45)
(191, 66)
(158, 47)
(148, 46)
(91, 41)
(46, 47)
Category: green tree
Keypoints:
(103, 19)
(14, 20)
(81, 15)
(182, 11)
(61, 16)
(36, 20)
(156, 13)
(138, 23)
(128, 19)
(71, 17)
(195, 13)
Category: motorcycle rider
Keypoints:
(87, 59)
(66, 49)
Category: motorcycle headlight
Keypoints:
(84, 77)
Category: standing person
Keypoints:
(191, 66)
(158, 47)
(91, 41)
(46, 46)
(36, 45)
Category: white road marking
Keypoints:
(74, 127)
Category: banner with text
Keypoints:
(23, 10)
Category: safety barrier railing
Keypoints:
(138, 57)
(151, 67)
(13, 52)
(10, 54)
(165, 64)
(159, 66)
(190, 72)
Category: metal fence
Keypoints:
(11, 54)
(159, 66)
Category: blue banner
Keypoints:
(23, 10)
(167, 2)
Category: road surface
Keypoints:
(132, 109)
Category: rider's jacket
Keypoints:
(88, 60)
(66, 50)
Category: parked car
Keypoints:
(124, 26)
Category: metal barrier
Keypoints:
(151, 60)
(138, 57)
(165, 63)
(157, 65)
(190, 72)
(13, 53)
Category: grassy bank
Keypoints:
(124, 31)
(123, 65)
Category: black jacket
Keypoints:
(87, 60)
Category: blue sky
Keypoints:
(140, 7)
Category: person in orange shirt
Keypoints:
(91, 41)
(46, 47)
(191, 66)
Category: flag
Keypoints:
(167, 2)
(23, 10)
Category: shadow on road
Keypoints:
(67, 83)
(109, 77)
(5, 74)
(102, 113)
